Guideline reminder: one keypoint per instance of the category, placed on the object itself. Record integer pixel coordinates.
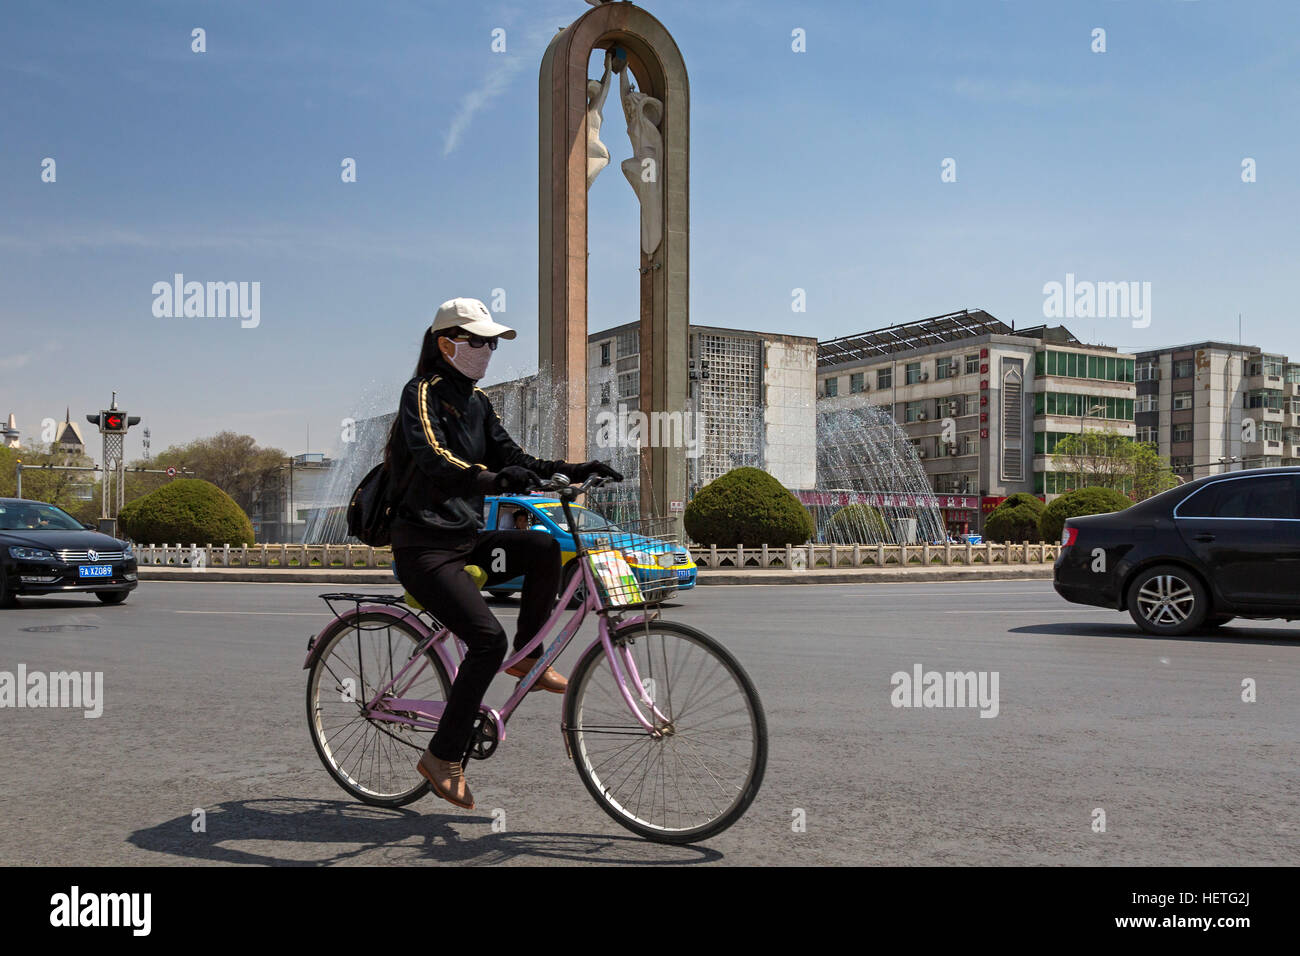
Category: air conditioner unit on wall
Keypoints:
(925, 376)
(920, 453)
(920, 416)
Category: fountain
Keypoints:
(864, 457)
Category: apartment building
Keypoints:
(1214, 407)
(983, 404)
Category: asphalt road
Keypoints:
(204, 709)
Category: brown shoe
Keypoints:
(551, 679)
(447, 779)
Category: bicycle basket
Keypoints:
(636, 562)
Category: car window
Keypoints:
(1266, 497)
(36, 517)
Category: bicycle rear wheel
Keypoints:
(373, 760)
(701, 774)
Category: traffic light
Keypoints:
(113, 422)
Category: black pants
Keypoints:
(435, 575)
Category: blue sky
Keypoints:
(817, 170)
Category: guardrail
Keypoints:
(793, 557)
(805, 556)
(263, 556)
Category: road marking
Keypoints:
(1037, 610)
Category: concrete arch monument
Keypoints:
(658, 112)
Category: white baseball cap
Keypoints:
(470, 315)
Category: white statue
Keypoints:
(597, 154)
(643, 171)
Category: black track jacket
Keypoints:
(451, 437)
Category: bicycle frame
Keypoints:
(426, 713)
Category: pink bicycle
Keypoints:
(663, 724)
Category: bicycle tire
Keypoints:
(593, 663)
(332, 635)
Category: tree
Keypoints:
(57, 487)
(749, 507)
(1015, 519)
(234, 463)
(186, 511)
(857, 524)
(1085, 501)
(1107, 459)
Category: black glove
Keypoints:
(580, 473)
(515, 478)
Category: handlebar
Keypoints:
(559, 482)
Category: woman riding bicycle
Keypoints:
(447, 449)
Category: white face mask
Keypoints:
(469, 361)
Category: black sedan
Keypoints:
(44, 550)
(1193, 557)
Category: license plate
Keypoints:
(684, 575)
(95, 571)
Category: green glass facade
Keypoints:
(1081, 406)
(1103, 368)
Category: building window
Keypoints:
(885, 377)
(1181, 463)
(914, 411)
(1144, 403)
(913, 373)
(1083, 406)
(832, 387)
(1184, 368)
(1183, 432)
(604, 393)
(628, 343)
(1273, 365)
(604, 353)
(532, 398)
(1146, 435)
(629, 385)
(973, 363)
(857, 382)
(945, 367)
(1182, 400)
(1148, 371)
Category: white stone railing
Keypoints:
(794, 557)
(268, 556)
(806, 556)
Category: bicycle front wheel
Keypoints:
(699, 772)
(373, 760)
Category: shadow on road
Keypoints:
(1229, 634)
(327, 832)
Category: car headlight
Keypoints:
(637, 557)
(665, 559)
(30, 554)
(127, 552)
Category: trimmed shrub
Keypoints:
(1014, 520)
(747, 506)
(857, 524)
(186, 511)
(1083, 501)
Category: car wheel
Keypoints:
(111, 597)
(1168, 600)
